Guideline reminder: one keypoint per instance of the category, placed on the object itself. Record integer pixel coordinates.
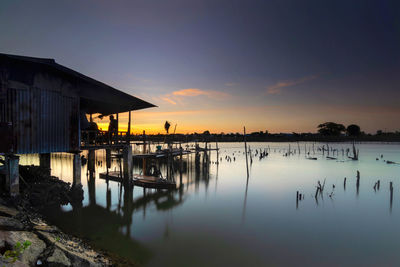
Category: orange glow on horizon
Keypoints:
(274, 119)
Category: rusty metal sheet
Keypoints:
(43, 121)
(6, 144)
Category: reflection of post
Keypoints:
(108, 158)
(391, 195)
(128, 206)
(92, 188)
(91, 160)
(216, 179)
(245, 200)
(12, 174)
(108, 197)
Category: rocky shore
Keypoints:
(46, 245)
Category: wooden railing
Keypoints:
(98, 138)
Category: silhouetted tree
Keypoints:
(353, 130)
(331, 128)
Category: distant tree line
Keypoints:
(336, 129)
(326, 132)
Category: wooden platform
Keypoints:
(152, 182)
(112, 176)
(162, 154)
(140, 180)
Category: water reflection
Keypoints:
(110, 226)
(247, 220)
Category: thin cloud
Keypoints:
(278, 87)
(178, 96)
(166, 99)
(199, 92)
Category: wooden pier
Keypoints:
(151, 176)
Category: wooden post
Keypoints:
(358, 178)
(129, 126)
(77, 165)
(127, 155)
(12, 174)
(355, 153)
(181, 165)
(358, 181)
(216, 145)
(144, 152)
(44, 161)
(117, 118)
(245, 150)
(298, 146)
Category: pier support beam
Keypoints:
(77, 165)
(12, 174)
(44, 161)
(91, 160)
(127, 156)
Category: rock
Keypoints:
(30, 255)
(45, 228)
(75, 251)
(17, 263)
(8, 223)
(40, 225)
(58, 258)
(8, 211)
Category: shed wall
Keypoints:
(43, 121)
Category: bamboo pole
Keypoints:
(245, 150)
(129, 126)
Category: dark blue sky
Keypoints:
(217, 65)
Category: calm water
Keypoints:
(219, 218)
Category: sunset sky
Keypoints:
(280, 66)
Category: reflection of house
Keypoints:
(42, 104)
(103, 227)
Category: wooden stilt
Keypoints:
(245, 150)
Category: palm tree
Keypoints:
(166, 126)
